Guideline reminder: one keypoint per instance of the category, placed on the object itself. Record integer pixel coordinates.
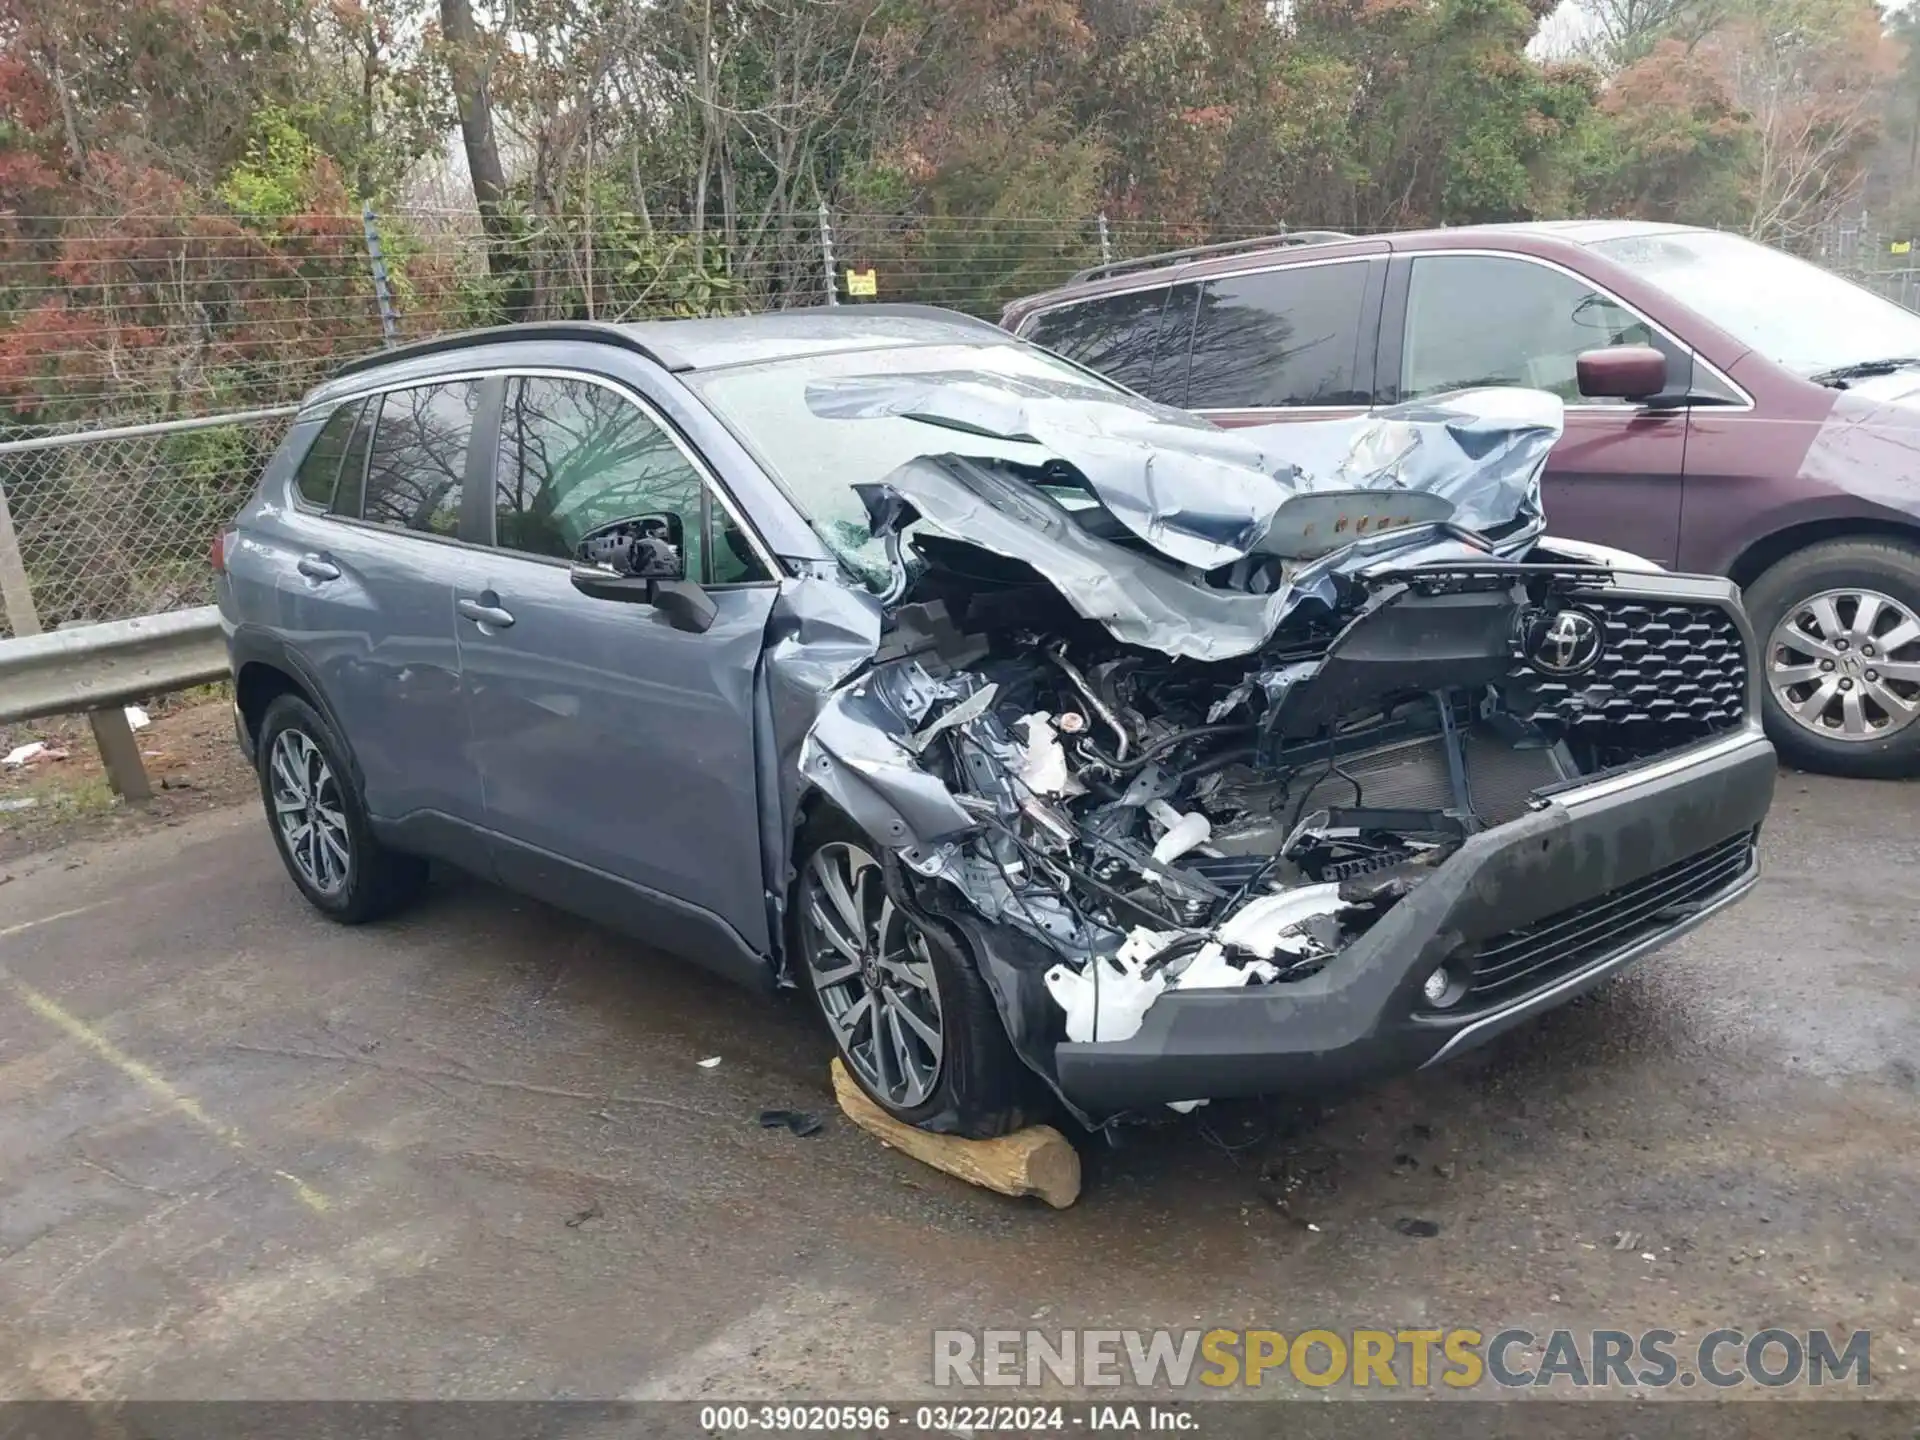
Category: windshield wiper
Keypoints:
(1862, 370)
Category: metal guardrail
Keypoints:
(85, 667)
(99, 667)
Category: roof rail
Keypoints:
(584, 330)
(1196, 252)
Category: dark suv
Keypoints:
(1771, 435)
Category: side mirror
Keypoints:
(1622, 372)
(646, 547)
(642, 561)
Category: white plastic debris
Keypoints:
(1209, 970)
(1110, 997)
(1184, 1107)
(709, 1062)
(1271, 923)
(12, 807)
(1187, 832)
(1044, 771)
(21, 754)
(138, 718)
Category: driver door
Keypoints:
(616, 752)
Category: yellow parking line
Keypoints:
(143, 1074)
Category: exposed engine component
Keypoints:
(1159, 824)
(1166, 713)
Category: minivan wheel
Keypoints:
(907, 1008)
(319, 821)
(1839, 626)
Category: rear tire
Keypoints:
(319, 820)
(1839, 629)
(909, 1011)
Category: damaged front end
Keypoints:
(1238, 779)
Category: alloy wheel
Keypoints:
(1845, 665)
(308, 812)
(871, 969)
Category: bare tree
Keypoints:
(469, 68)
(1623, 31)
(1812, 76)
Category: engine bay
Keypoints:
(1160, 823)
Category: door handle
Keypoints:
(480, 614)
(314, 568)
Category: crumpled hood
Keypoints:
(1206, 497)
(1305, 500)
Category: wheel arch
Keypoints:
(1769, 550)
(264, 669)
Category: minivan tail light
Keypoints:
(219, 553)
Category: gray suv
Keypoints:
(1062, 748)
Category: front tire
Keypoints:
(907, 1007)
(1839, 629)
(319, 821)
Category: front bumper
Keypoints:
(1363, 1017)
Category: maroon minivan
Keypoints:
(1753, 416)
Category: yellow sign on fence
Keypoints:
(862, 282)
(1900, 247)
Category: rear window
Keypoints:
(1117, 335)
(321, 468)
(1278, 338)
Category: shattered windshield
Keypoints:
(819, 458)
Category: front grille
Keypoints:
(1667, 674)
(1510, 965)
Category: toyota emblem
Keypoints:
(1566, 642)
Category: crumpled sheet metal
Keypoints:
(1141, 600)
(859, 753)
(1206, 497)
(819, 634)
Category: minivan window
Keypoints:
(420, 456)
(1794, 313)
(1116, 335)
(1280, 337)
(575, 456)
(320, 469)
(1490, 320)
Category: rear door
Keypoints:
(1293, 343)
(616, 751)
(1462, 319)
(368, 599)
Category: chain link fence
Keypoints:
(115, 523)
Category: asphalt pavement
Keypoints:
(472, 1153)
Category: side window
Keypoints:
(575, 456)
(1484, 320)
(1116, 335)
(353, 464)
(1280, 337)
(419, 457)
(320, 469)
